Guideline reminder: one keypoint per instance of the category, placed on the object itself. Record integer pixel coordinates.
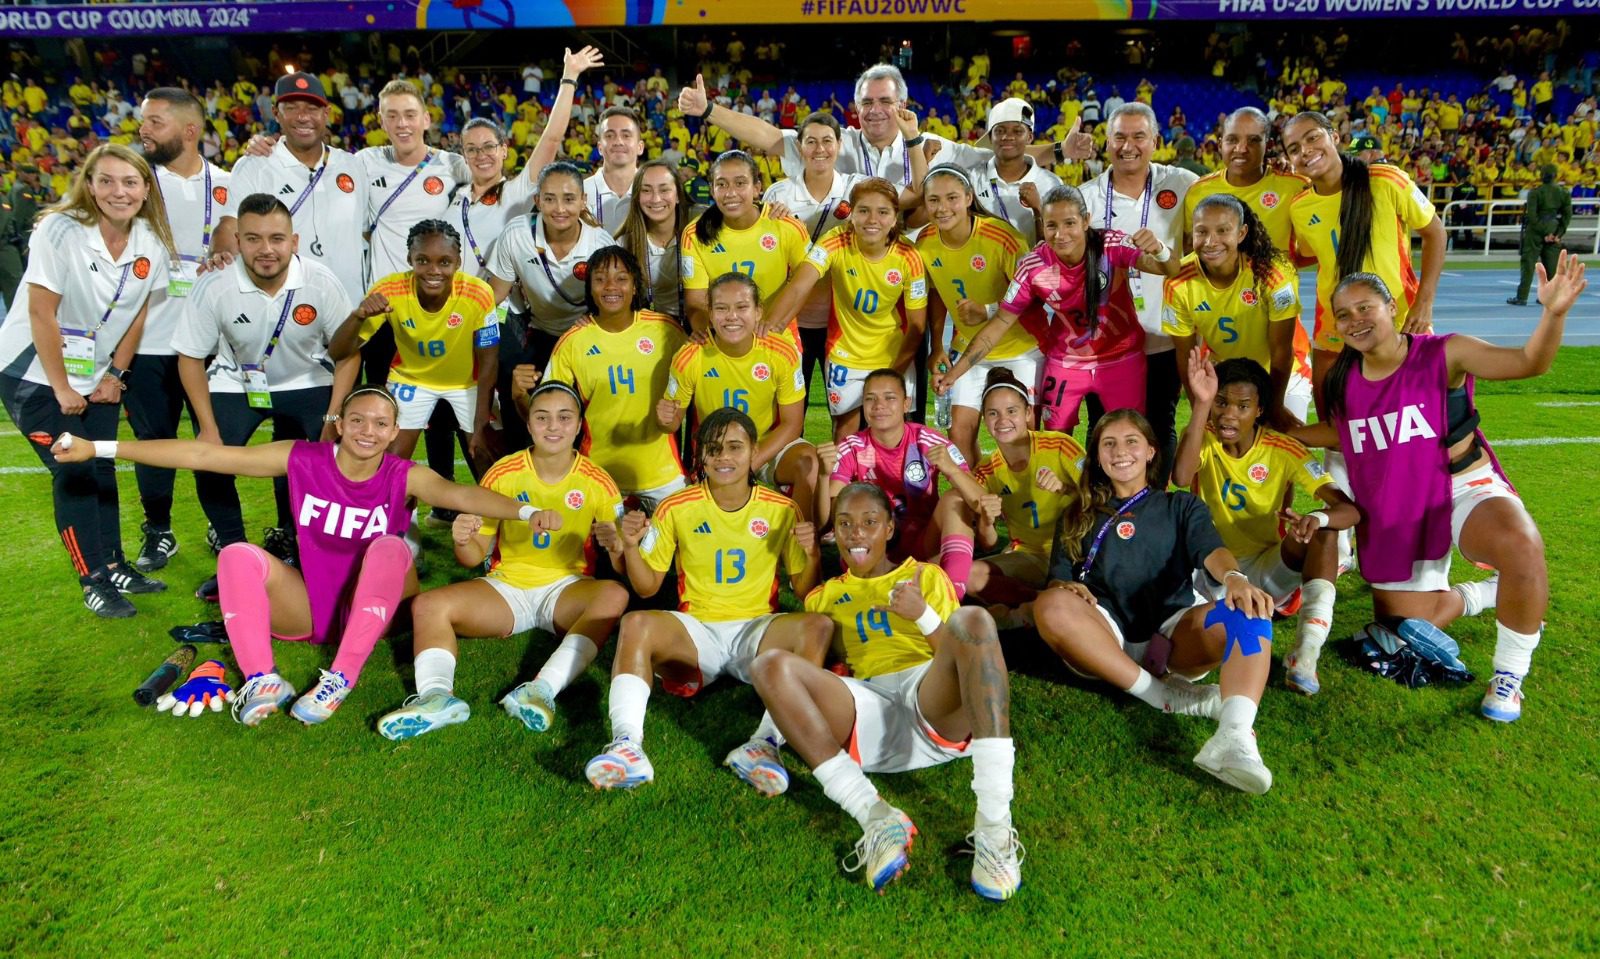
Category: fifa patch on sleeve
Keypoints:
(488, 336)
(819, 256)
(1315, 469)
(799, 381)
(919, 289)
(686, 267)
(1283, 298)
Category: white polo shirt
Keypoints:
(480, 223)
(610, 209)
(819, 216)
(328, 219)
(555, 296)
(397, 201)
(1165, 190)
(70, 259)
(856, 155)
(229, 317)
(196, 206)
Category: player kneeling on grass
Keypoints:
(929, 686)
(1242, 470)
(539, 575)
(348, 501)
(729, 537)
(1123, 573)
(1400, 405)
(759, 375)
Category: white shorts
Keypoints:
(767, 475)
(532, 608)
(846, 384)
(417, 403)
(649, 499)
(1021, 565)
(891, 735)
(1137, 650)
(1467, 490)
(1266, 572)
(724, 648)
(1297, 396)
(968, 391)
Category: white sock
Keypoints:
(844, 783)
(1316, 613)
(629, 695)
(1477, 597)
(569, 660)
(1238, 714)
(436, 669)
(992, 762)
(1147, 688)
(768, 730)
(1513, 651)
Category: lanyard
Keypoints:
(885, 157)
(205, 226)
(994, 188)
(106, 316)
(466, 223)
(310, 184)
(599, 206)
(551, 276)
(1149, 191)
(283, 317)
(428, 158)
(828, 206)
(1094, 548)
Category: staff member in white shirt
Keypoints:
(267, 319)
(65, 345)
(325, 189)
(197, 199)
(1134, 194)
(608, 192)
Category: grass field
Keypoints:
(1399, 824)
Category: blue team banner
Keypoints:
(285, 16)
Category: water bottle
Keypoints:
(941, 401)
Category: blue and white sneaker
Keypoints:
(622, 766)
(1503, 702)
(423, 713)
(262, 695)
(757, 763)
(1300, 669)
(996, 860)
(532, 704)
(321, 700)
(884, 849)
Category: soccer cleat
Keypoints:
(1503, 702)
(532, 704)
(281, 543)
(1516, 301)
(440, 518)
(423, 713)
(126, 579)
(262, 695)
(213, 541)
(884, 848)
(159, 546)
(622, 766)
(321, 700)
(209, 591)
(996, 861)
(103, 599)
(1300, 669)
(757, 763)
(1184, 698)
(1232, 757)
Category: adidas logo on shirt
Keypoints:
(719, 248)
(1315, 219)
(937, 262)
(1204, 307)
(1005, 489)
(287, 189)
(703, 528)
(712, 374)
(381, 182)
(522, 497)
(241, 318)
(850, 272)
(842, 600)
(593, 351)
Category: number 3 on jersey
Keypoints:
(874, 621)
(620, 375)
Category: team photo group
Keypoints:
(625, 374)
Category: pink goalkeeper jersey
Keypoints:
(335, 518)
(1042, 281)
(902, 471)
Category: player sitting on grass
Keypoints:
(539, 576)
(929, 686)
(729, 536)
(1124, 572)
(1243, 470)
(348, 500)
(759, 375)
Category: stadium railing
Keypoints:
(1466, 219)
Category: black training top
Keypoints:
(1144, 572)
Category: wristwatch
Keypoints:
(120, 375)
(330, 417)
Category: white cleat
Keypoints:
(1503, 702)
(1233, 758)
(622, 766)
(1300, 669)
(884, 849)
(424, 713)
(531, 704)
(260, 697)
(996, 861)
(757, 763)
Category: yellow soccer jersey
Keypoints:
(620, 376)
(1398, 208)
(978, 271)
(1245, 494)
(727, 562)
(434, 350)
(1268, 198)
(585, 496)
(870, 298)
(757, 383)
(1232, 321)
(1031, 512)
(767, 252)
(877, 642)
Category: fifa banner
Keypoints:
(278, 16)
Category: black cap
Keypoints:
(300, 86)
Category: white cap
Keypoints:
(1010, 110)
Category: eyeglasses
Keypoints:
(470, 152)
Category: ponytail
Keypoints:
(1355, 216)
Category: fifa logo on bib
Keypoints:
(759, 528)
(345, 522)
(1390, 429)
(575, 499)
